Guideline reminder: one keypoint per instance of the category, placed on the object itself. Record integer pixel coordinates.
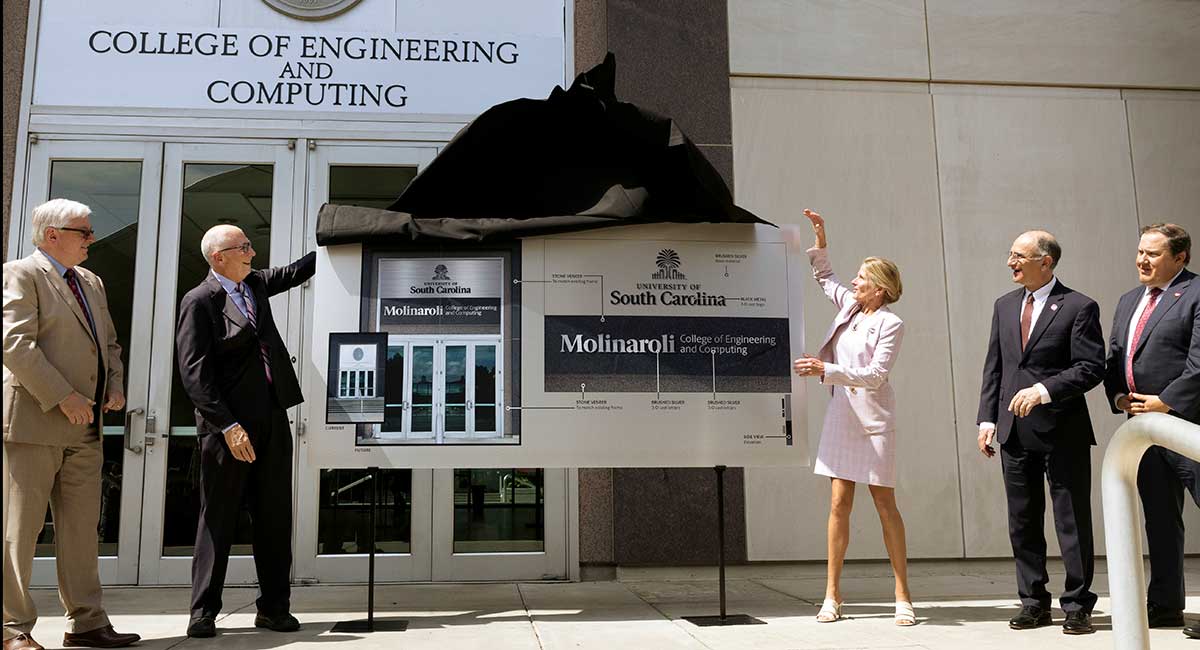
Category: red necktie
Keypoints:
(73, 282)
(1137, 336)
(263, 351)
(1026, 321)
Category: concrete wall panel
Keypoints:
(1140, 43)
(829, 38)
(1009, 162)
(866, 161)
(1164, 133)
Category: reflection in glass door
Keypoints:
(119, 181)
(421, 392)
(248, 186)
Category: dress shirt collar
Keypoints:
(1163, 285)
(228, 285)
(1041, 294)
(57, 265)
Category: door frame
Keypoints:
(308, 564)
(156, 569)
(121, 569)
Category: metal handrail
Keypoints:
(1122, 534)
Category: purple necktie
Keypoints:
(264, 352)
(73, 282)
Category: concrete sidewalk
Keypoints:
(959, 605)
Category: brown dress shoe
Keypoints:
(22, 642)
(101, 637)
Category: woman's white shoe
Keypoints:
(905, 615)
(830, 611)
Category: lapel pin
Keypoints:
(1053, 307)
(1177, 294)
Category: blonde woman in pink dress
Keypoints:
(859, 433)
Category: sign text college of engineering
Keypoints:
(278, 69)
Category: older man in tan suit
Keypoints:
(62, 369)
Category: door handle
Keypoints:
(129, 413)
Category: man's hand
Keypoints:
(1024, 401)
(77, 408)
(986, 436)
(115, 401)
(1139, 403)
(1124, 403)
(239, 445)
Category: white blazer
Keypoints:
(865, 376)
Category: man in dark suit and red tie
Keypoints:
(1154, 366)
(1046, 350)
(239, 375)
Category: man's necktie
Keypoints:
(1137, 336)
(1026, 321)
(73, 282)
(263, 350)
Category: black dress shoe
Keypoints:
(1192, 631)
(202, 627)
(1030, 617)
(1159, 616)
(280, 623)
(1079, 622)
(101, 637)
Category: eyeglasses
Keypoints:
(87, 233)
(245, 248)
(1014, 256)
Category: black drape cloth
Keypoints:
(576, 160)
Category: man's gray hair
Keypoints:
(55, 213)
(214, 240)
(1047, 245)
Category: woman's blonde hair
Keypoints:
(884, 274)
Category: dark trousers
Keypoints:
(1069, 474)
(1162, 477)
(266, 487)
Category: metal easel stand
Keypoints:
(723, 618)
(371, 624)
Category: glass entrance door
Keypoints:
(119, 181)
(445, 524)
(333, 503)
(249, 186)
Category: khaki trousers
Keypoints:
(68, 478)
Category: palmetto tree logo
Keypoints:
(668, 266)
(440, 272)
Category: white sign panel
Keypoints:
(642, 346)
(427, 69)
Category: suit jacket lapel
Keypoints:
(225, 302)
(1049, 311)
(1010, 319)
(1121, 320)
(92, 294)
(1169, 298)
(839, 321)
(64, 291)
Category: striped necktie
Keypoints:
(263, 350)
